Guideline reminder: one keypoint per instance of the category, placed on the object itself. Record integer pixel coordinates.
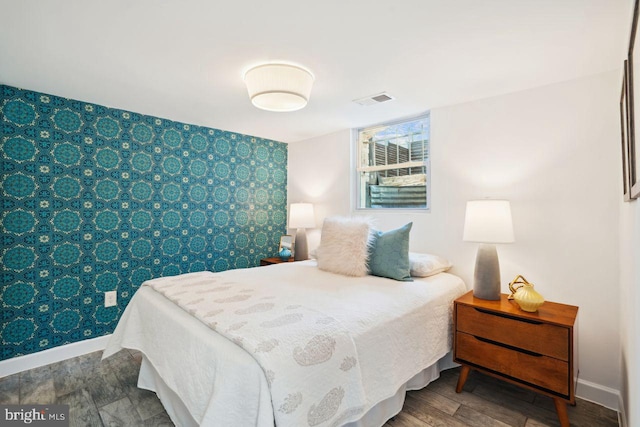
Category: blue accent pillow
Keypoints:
(389, 254)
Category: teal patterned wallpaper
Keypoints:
(97, 199)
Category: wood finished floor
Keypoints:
(105, 394)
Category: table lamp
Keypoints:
(487, 222)
(301, 216)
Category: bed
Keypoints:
(400, 332)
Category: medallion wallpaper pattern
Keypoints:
(96, 199)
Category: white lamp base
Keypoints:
(301, 251)
(486, 278)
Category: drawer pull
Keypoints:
(519, 319)
(510, 347)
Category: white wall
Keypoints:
(319, 173)
(629, 303)
(554, 152)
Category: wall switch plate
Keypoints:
(110, 298)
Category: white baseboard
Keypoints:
(622, 414)
(596, 393)
(52, 355)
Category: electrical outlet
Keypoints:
(110, 298)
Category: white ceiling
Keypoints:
(184, 59)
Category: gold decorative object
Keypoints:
(524, 295)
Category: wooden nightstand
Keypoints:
(537, 350)
(274, 260)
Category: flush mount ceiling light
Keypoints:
(279, 87)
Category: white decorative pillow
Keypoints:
(424, 265)
(344, 246)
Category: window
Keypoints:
(393, 165)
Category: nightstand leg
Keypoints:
(561, 409)
(464, 373)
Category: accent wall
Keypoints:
(97, 199)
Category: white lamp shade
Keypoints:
(301, 215)
(279, 87)
(488, 221)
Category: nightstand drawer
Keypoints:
(541, 371)
(538, 337)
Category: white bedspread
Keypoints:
(398, 328)
(309, 359)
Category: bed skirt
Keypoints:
(149, 379)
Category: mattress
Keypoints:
(399, 329)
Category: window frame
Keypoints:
(357, 169)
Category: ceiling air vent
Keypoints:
(374, 99)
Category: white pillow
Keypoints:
(424, 265)
(344, 246)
